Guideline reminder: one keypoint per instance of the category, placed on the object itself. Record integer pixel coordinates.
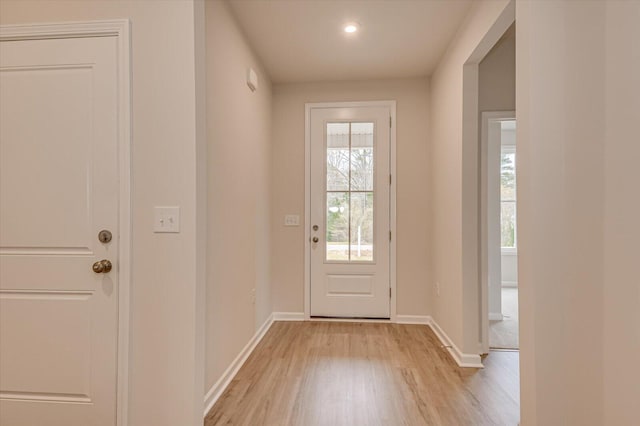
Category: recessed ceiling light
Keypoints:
(351, 28)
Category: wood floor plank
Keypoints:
(365, 374)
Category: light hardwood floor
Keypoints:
(339, 374)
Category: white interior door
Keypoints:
(58, 190)
(349, 203)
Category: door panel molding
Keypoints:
(121, 30)
(392, 198)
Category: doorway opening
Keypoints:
(499, 233)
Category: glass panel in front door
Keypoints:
(350, 168)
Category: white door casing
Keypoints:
(64, 176)
(349, 265)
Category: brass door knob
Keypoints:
(102, 266)
(315, 239)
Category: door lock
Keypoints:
(315, 227)
(105, 236)
(102, 266)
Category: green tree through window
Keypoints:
(350, 191)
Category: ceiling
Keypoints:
(303, 40)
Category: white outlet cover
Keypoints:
(292, 220)
(166, 219)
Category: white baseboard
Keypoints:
(462, 359)
(495, 316)
(413, 319)
(219, 387)
(510, 284)
(288, 316)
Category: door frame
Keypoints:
(471, 315)
(121, 29)
(308, 107)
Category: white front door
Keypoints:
(349, 203)
(58, 190)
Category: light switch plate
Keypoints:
(292, 220)
(167, 219)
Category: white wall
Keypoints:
(578, 75)
(621, 286)
(412, 198)
(509, 269)
(239, 160)
(165, 363)
(497, 76)
(454, 309)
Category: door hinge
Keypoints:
(390, 121)
(389, 235)
(389, 179)
(389, 292)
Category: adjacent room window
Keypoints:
(508, 228)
